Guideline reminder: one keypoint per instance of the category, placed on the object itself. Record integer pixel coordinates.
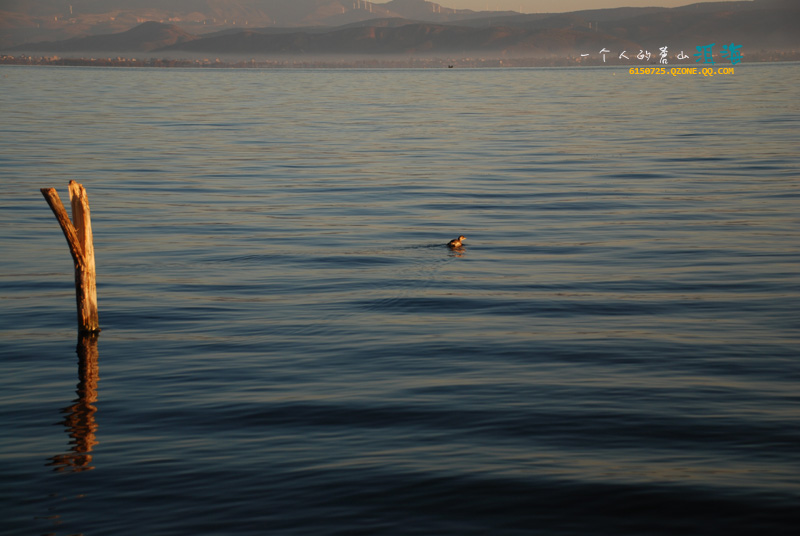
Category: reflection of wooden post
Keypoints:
(79, 237)
(80, 420)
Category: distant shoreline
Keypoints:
(101, 60)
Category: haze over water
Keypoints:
(289, 348)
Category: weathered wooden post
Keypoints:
(81, 246)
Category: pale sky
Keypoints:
(556, 6)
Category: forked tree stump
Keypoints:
(78, 233)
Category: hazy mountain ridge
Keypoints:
(145, 37)
(765, 24)
(24, 21)
(411, 38)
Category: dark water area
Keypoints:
(289, 347)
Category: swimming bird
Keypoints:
(456, 242)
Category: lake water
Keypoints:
(289, 348)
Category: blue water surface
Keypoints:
(288, 346)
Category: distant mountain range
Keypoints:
(145, 37)
(418, 27)
(27, 21)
